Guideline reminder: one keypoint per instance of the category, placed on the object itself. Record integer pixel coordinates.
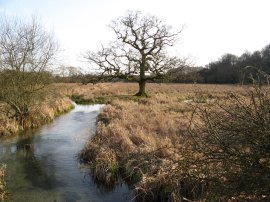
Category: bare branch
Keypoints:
(26, 53)
(140, 48)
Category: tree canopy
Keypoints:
(139, 52)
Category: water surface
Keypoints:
(42, 165)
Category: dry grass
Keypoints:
(143, 138)
(3, 193)
(120, 89)
(233, 138)
(40, 112)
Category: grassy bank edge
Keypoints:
(43, 115)
(109, 166)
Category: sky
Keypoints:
(211, 27)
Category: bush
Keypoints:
(233, 142)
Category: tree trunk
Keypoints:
(142, 81)
(141, 91)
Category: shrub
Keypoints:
(233, 140)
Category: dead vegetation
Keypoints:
(233, 141)
(106, 92)
(42, 111)
(152, 144)
(3, 193)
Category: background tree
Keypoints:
(139, 51)
(185, 74)
(26, 52)
(244, 69)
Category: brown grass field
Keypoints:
(145, 141)
(127, 89)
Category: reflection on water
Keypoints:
(42, 164)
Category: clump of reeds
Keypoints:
(8, 126)
(103, 163)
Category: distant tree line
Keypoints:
(230, 69)
(244, 69)
(186, 74)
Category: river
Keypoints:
(42, 164)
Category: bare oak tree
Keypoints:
(140, 51)
(26, 52)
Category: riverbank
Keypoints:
(53, 104)
(148, 141)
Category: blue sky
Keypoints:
(212, 27)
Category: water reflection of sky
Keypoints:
(44, 166)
